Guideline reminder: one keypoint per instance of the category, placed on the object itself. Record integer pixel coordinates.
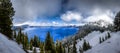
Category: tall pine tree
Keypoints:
(49, 44)
(117, 22)
(59, 47)
(6, 13)
(74, 47)
(86, 46)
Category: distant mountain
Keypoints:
(100, 23)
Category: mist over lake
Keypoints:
(57, 33)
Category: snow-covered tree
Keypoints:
(86, 45)
(74, 47)
(117, 22)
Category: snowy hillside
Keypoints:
(111, 45)
(8, 46)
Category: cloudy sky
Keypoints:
(63, 12)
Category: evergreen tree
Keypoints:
(18, 38)
(14, 34)
(6, 13)
(103, 39)
(117, 22)
(68, 48)
(25, 45)
(106, 37)
(74, 47)
(31, 44)
(61, 50)
(86, 45)
(109, 35)
(42, 48)
(100, 41)
(34, 51)
(57, 46)
(81, 50)
(64, 51)
(36, 41)
(49, 44)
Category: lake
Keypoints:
(57, 33)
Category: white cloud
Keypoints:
(70, 16)
(98, 14)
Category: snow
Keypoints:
(9, 46)
(111, 45)
(92, 38)
(37, 50)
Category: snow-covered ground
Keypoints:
(37, 50)
(9, 46)
(111, 45)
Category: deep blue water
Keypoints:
(57, 33)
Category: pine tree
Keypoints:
(103, 39)
(68, 48)
(109, 35)
(64, 51)
(31, 44)
(74, 47)
(34, 51)
(36, 41)
(100, 41)
(81, 50)
(14, 34)
(42, 48)
(57, 46)
(6, 13)
(61, 50)
(18, 38)
(49, 44)
(25, 42)
(117, 22)
(106, 37)
(86, 45)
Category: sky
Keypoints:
(63, 12)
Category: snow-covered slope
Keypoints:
(92, 38)
(111, 45)
(9, 46)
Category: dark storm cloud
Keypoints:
(87, 5)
